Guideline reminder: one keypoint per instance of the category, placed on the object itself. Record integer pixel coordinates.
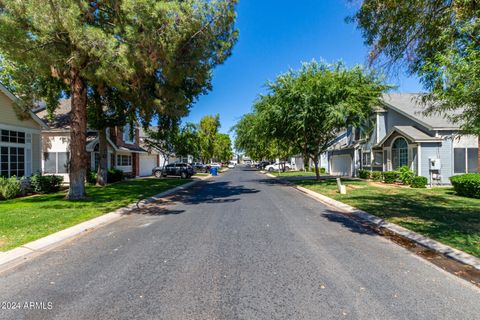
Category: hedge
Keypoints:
(419, 182)
(376, 175)
(10, 187)
(467, 185)
(364, 174)
(390, 176)
(46, 184)
(114, 175)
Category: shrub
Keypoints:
(46, 184)
(467, 185)
(114, 175)
(376, 175)
(390, 176)
(419, 182)
(91, 177)
(405, 174)
(10, 187)
(323, 170)
(25, 186)
(364, 174)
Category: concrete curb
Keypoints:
(375, 221)
(21, 254)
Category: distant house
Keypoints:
(125, 152)
(402, 135)
(20, 140)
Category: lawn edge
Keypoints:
(378, 222)
(23, 253)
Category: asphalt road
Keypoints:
(237, 247)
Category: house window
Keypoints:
(55, 162)
(12, 161)
(465, 160)
(124, 160)
(96, 160)
(399, 153)
(472, 160)
(13, 136)
(367, 159)
(377, 158)
(126, 134)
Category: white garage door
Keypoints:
(147, 163)
(341, 165)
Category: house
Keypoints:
(431, 145)
(125, 152)
(20, 140)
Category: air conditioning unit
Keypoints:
(434, 164)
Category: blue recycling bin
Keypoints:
(214, 171)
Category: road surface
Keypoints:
(237, 247)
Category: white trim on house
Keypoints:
(419, 159)
(91, 145)
(19, 128)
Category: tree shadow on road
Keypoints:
(212, 192)
(349, 223)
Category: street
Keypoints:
(239, 246)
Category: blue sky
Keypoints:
(276, 35)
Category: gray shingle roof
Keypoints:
(410, 105)
(61, 118)
(411, 133)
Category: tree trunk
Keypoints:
(103, 158)
(78, 137)
(317, 171)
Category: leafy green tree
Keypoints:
(160, 53)
(304, 110)
(188, 142)
(250, 139)
(64, 40)
(438, 40)
(207, 133)
(223, 147)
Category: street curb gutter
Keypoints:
(21, 254)
(363, 216)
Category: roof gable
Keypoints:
(410, 106)
(14, 99)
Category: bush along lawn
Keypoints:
(26, 219)
(438, 213)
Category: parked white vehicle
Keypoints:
(215, 165)
(278, 166)
(231, 165)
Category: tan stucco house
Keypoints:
(20, 140)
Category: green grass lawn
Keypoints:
(26, 219)
(293, 173)
(437, 213)
(201, 174)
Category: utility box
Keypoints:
(434, 164)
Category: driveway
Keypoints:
(237, 247)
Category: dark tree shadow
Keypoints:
(212, 192)
(352, 225)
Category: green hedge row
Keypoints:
(467, 185)
(113, 175)
(405, 175)
(13, 187)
